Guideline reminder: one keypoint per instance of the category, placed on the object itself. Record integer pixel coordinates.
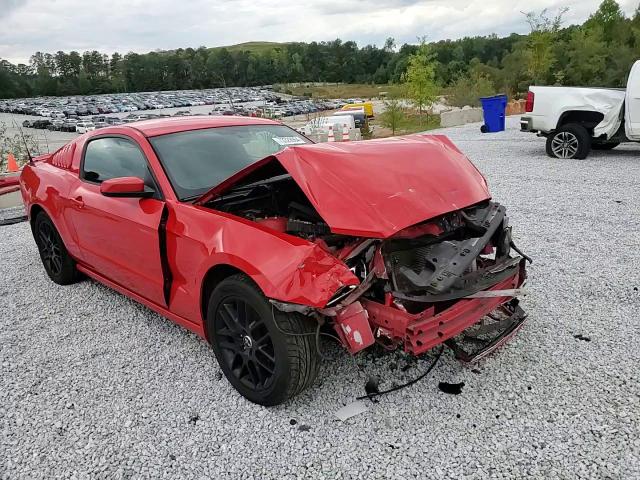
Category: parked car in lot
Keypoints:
(244, 232)
(84, 126)
(40, 124)
(359, 117)
(576, 120)
(56, 124)
(69, 125)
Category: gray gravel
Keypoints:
(94, 385)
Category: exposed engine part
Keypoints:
(340, 295)
(307, 228)
(436, 268)
(512, 292)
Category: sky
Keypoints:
(145, 25)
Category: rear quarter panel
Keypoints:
(47, 186)
(551, 102)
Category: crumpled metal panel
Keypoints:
(379, 187)
(604, 100)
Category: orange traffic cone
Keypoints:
(332, 138)
(345, 132)
(12, 165)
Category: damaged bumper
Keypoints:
(422, 331)
(450, 280)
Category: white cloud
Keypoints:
(145, 25)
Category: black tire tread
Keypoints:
(303, 358)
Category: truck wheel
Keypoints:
(262, 362)
(605, 146)
(569, 141)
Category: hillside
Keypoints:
(254, 47)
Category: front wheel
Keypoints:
(569, 141)
(267, 355)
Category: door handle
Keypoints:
(77, 202)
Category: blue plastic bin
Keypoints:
(493, 109)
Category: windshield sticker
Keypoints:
(288, 141)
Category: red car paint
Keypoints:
(374, 189)
(377, 188)
(353, 328)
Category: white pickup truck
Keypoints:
(576, 120)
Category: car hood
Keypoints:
(378, 187)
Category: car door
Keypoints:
(632, 104)
(118, 236)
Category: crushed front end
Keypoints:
(421, 258)
(452, 279)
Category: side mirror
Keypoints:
(132, 187)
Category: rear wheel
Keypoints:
(569, 141)
(266, 365)
(57, 262)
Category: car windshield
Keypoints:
(197, 160)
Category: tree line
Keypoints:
(598, 52)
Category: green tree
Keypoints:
(607, 17)
(541, 57)
(393, 114)
(587, 55)
(468, 89)
(421, 78)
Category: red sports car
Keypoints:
(244, 232)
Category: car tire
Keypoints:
(571, 141)
(267, 355)
(56, 260)
(605, 146)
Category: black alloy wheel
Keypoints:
(267, 355)
(245, 343)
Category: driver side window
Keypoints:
(114, 157)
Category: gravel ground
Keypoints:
(94, 385)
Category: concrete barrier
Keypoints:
(322, 136)
(462, 116)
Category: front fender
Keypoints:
(304, 274)
(285, 267)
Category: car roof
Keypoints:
(163, 126)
